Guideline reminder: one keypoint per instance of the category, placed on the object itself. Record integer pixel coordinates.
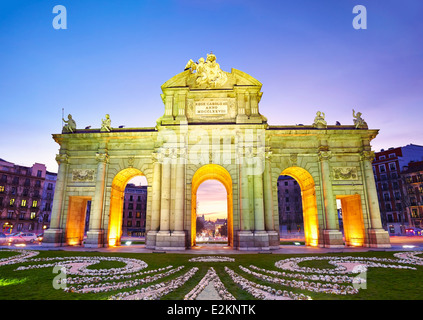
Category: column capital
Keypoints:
(62, 158)
(324, 155)
(102, 157)
(158, 156)
(367, 155)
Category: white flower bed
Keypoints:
(212, 259)
(211, 276)
(342, 265)
(155, 291)
(78, 265)
(23, 256)
(105, 287)
(262, 292)
(86, 279)
(313, 277)
(305, 285)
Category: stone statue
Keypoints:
(106, 124)
(70, 125)
(319, 120)
(359, 121)
(207, 71)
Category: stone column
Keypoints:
(53, 235)
(178, 236)
(96, 232)
(244, 197)
(331, 234)
(245, 236)
(156, 199)
(165, 196)
(261, 238)
(268, 193)
(180, 191)
(268, 204)
(258, 201)
(378, 237)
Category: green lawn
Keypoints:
(36, 284)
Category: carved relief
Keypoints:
(82, 175)
(345, 173)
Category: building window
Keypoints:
(12, 202)
(392, 155)
(392, 166)
(138, 214)
(1, 188)
(33, 215)
(39, 173)
(382, 157)
(23, 203)
(20, 226)
(382, 168)
(34, 203)
(129, 223)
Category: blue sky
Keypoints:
(114, 56)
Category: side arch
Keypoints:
(308, 195)
(211, 172)
(116, 204)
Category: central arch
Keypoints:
(308, 195)
(116, 204)
(211, 172)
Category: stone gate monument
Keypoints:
(212, 129)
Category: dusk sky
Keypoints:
(114, 56)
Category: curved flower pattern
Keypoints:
(211, 259)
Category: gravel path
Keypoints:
(209, 293)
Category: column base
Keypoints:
(150, 241)
(257, 240)
(333, 239)
(95, 239)
(274, 241)
(166, 240)
(379, 238)
(52, 238)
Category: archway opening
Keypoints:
(212, 213)
(308, 204)
(350, 217)
(291, 222)
(212, 172)
(77, 220)
(119, 208)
